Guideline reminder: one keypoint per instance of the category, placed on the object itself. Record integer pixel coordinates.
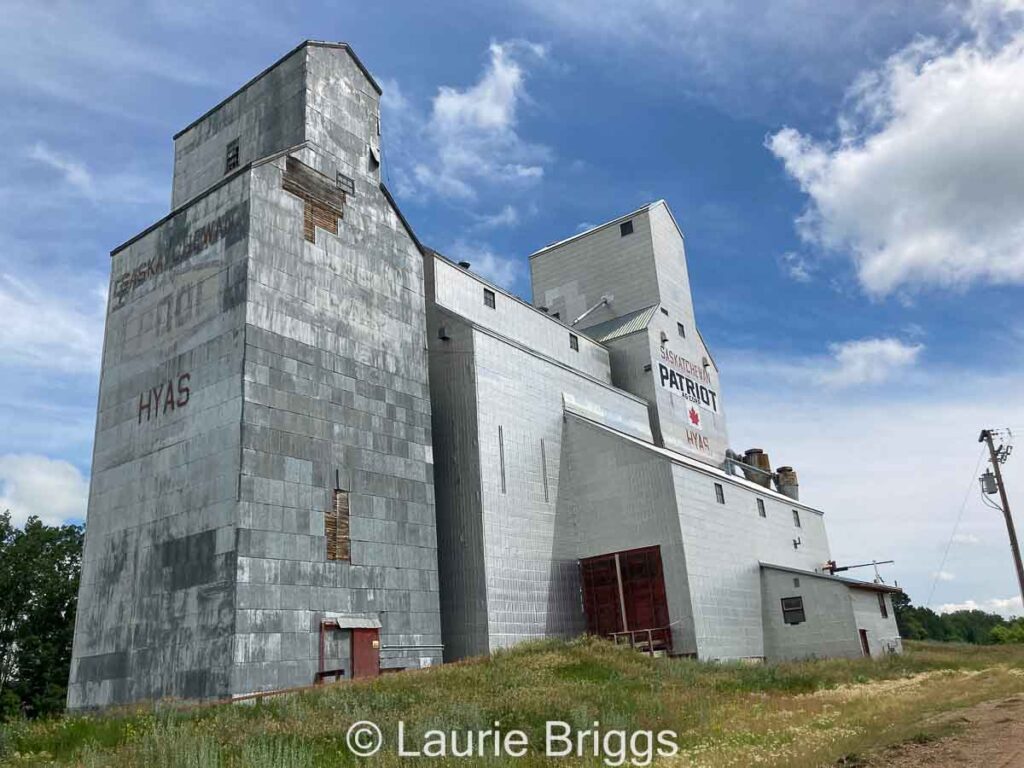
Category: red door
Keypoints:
(365, 653)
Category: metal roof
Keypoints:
(621, 326)
(854, 583)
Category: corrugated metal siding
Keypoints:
(622, 326)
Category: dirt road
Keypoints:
(989, 735)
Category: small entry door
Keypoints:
(365, 652)
(864, 643)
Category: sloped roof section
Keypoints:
(621, 326)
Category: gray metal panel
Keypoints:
(156, 602)
(622, 326)
(829, 629)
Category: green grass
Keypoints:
(806, 713)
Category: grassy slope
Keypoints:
(807, 713)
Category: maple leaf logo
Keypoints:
(694, 416)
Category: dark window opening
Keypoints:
(682, 329)
(760, 508)
(793, 610)
(883, 609)
(556, 315)
(625, 228)
(336, 527)
(796, 518)
(574, 342)
(664, 312)
(719, 493)
(488, 298)
(231, 157)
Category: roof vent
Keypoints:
(464, 264)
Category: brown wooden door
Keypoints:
(365, 653)
(864, 643)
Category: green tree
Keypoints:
(40, 567)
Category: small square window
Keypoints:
(682, 329)
(231, 157)
(796, 518)
(760, 508)
(882, 607)
(625, 228)
(796, 582)
(488, 298)
(793, 610)
(346, 184)
(574, 342)
(719, 493)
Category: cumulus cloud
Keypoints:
(470, 138)
(51, 489)
(920, 186)
(48, 330)
(1008, 607)
(485, 262)
(868, 361)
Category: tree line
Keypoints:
(40, 567)
(979, 627)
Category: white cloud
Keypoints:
(796, 267)
(868, 361)
(1008, 607)
(500, 270)
(944, 575)
(919, 186)
(744, 55)
(50, 330)
(121, 188)
(50, 489)
(508, 216)
(470, 139)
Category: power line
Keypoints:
(959, 517)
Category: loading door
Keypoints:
(624, 597)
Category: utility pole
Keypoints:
(997, 457)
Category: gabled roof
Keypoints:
(622, 326)
(314, 43)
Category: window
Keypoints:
(719, 493)
(760, 508)
(625, 228)
(796, 582)
(682, 329)
(796, 518)
(574, 342)
(231, 157)
(556, 315)
(336, 527)
(501, 456)
(346, 184)
(664, 312)
(793, 610)
(488, 298)
(882, 608)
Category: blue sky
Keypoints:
(847, 176)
